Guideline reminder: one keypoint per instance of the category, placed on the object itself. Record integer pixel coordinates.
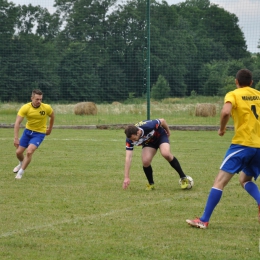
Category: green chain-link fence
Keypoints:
(119, 54)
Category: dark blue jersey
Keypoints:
(152, 133)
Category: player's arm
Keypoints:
(51, 122)
(17, 123)
(128, 160)
(165, 126)
(224, 117)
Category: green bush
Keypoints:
(160, 89)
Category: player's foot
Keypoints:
(19, 176)
(185, 183)
(197, 223)
(17, 168)
(150, 187)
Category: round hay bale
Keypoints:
(205, 110)
(115, 103)
(85, 108)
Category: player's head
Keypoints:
(36, 97)
(37, 92)
(131, 130)
(244, 78)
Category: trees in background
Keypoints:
(160, 89)
(96, 50)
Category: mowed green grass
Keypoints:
(70, 203)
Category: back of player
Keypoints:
(245, 113)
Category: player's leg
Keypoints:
(236, 159)
(147, 156)
(251, 188)
(215, 194)
(214, 197)
(173, 161)
(35, 141)
(26, 161)
(29, 153)
(19, 154)
(246, 176)
(23, 144)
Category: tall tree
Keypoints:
(79, 79)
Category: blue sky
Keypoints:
(247, 11)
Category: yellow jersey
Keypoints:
(246, 115)
(36, 117)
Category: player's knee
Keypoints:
(146, 163)
(18, 154)
(29, 152)
(167, 156)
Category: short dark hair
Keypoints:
(131, 130)
(37, 92)
(244, 77)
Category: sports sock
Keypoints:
(177, 167)
(20, 172)
(253, 190)
(213, 199)
(149, 174)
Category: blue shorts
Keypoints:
(242, 158)
(30, 137)
(158, 140)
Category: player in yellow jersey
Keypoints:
(243, 155)
(37, 114)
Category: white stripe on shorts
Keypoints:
(230, 155)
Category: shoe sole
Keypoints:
(192, 224)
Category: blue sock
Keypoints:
(253, 190)
(213, 200)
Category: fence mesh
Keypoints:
(105, 52)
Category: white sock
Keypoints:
(20, 172)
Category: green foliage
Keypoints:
(160, 89)
(229, 85)
(97, 50)
(70, 203)
(79, 79)
(193, 94)
(257, 86)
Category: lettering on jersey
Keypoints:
(42, 113)
(141, 123)
(250, 98)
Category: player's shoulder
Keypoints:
(47, 107)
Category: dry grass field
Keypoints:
(177, 111)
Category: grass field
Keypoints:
(70, 203)
(177, 111)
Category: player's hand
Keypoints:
(16, 142)
(48, 131)
(126, 183)
(221, 132)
